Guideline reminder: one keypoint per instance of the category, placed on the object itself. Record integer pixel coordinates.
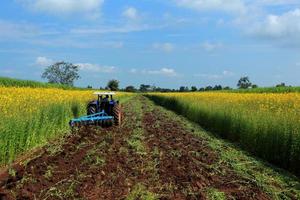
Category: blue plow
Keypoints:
(99, 119)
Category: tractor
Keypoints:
(104, 112)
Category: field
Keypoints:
(32, 116)
(155, 153)
(267, 125)
(266, 90)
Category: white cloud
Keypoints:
(163, 71)
(17, 30)
(133, 71)
(228, 73)
(91, 7)
(209, 46)
(285, 27)
(165, 47)
(43, 61)
(231, 6)
(224, 74)
(96, 68)
(130, 13)
(109, 30)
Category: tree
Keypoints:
(209, 88)
(194, 89)
(244, 83)
(254, 86)
(130, 88)
(281, 85)
(218, 87)
(183, 89)
(61, 73)
(201, 89)
(113, 85)
(144, 88)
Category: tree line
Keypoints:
(66, 73)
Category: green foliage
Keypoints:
(214, 194)
(194, 89)
(61, 73)
(27, 131)
(75, 109)
(140, 192)
(244, 83)
(11, 82)
(113, 85)
(130, 89)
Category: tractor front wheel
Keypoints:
(117, 114)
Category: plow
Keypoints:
(103, 112)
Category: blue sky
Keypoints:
(166, 43)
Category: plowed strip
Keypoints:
(149, 155)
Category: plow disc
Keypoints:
(99, 119)
(101, 123)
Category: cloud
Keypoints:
(130, 13)
(58, 7)
(163, 71)
(109, 30)
(43, 61)
(285, 27)
(209, 46)
(165, 47)
(224, 74)
(232, 6)
(133, 71)
(96, 68)
(17, 30)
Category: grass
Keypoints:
(214, 194)
(140, 192)
(12, 82)
(267, 125)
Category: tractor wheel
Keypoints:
(92, 109)
(117, 114)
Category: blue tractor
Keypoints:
(104, 112)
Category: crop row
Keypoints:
(32, 116)
(267, 125)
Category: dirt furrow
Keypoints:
(188, 168)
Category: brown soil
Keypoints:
(95, 163)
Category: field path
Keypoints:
(151, 156)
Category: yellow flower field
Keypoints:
(32, 116)
(267, 125)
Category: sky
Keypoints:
(166, 43)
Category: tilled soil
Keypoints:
(150, 156)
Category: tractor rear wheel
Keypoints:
(92, 109)
(117, 112)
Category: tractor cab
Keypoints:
(105, 102)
